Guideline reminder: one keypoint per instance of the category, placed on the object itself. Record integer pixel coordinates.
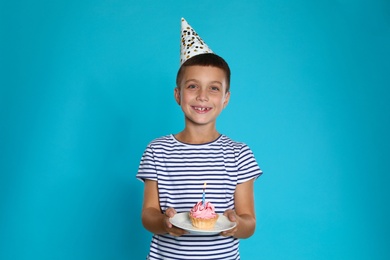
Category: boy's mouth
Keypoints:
(201, 109)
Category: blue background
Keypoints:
(85, 85)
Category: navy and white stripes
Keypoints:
(181, 170)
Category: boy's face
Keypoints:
(202, 94)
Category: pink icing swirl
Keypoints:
(204, 212)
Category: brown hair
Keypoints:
(206, 59)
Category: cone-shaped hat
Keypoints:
(191, 44)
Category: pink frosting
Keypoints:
(204, 212)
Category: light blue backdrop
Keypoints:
(85, 85)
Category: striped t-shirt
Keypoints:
(181, 170)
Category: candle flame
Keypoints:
(204, 185)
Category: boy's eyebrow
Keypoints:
(189, 80)
(195, 80)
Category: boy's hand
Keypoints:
(231, 215)
(171, 229)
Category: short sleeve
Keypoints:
(247, 165)
(147, 167)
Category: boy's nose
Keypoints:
(202, 95)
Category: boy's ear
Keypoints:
(227, 98)
(177, 95)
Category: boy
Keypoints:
(175, 167)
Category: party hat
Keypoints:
(191, 44)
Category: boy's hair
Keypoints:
(206, 59)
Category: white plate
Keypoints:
(182, 220)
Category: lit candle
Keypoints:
(204, 194)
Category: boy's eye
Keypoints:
(215, 88)
(191, 86)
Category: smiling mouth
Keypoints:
(202, 109)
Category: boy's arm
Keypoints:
(152, 218)
(244, 213)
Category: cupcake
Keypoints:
(203, 216)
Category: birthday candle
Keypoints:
(204, 194)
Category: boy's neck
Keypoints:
(191, 136)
